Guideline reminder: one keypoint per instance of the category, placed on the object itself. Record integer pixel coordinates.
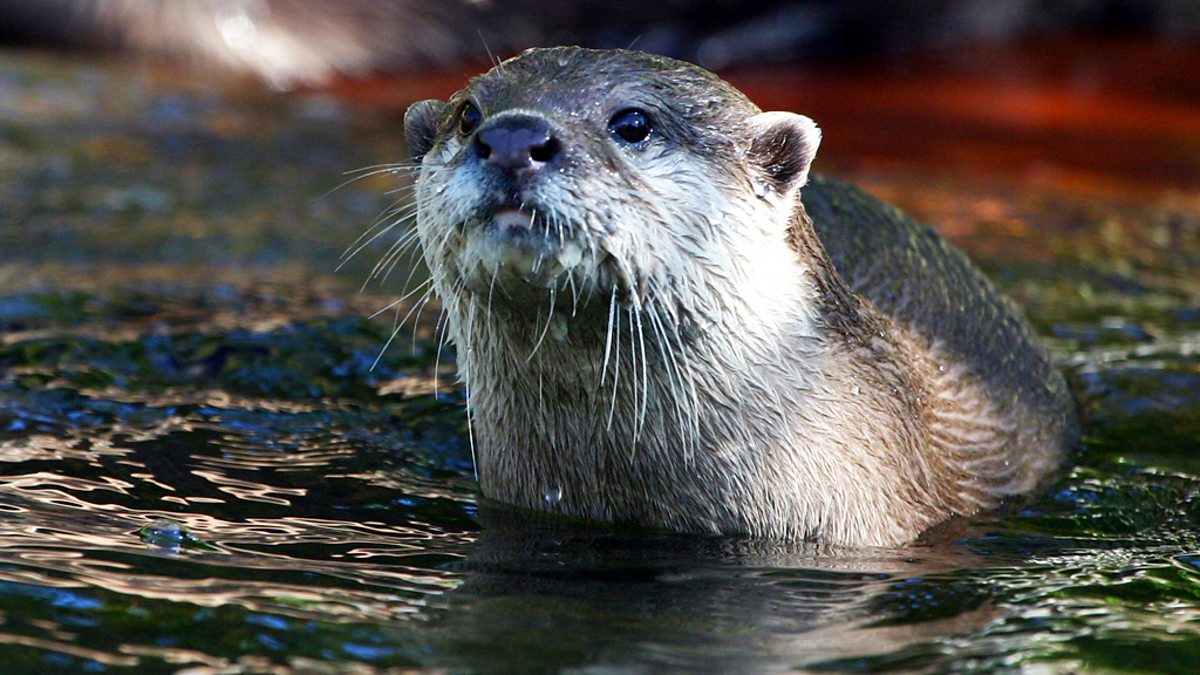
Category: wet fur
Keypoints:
(683, 351)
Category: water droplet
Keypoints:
(857, 391)
(553, 495)
(760, 190)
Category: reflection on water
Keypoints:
(280, 535)
(200, 470)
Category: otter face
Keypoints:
(585, 174)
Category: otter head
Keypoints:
(567, 175)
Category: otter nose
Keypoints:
(517, 142)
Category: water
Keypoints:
(200, 471)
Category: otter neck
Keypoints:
(841, 312)
(643, 412)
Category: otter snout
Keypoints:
(519, 143)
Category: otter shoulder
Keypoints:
(979, 347)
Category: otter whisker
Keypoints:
(492, 58)
(405, 190)
(668, 358)
(391, 337)
(441, 330)
(556, 222)
(370, 235)
(403, 240)
(608, 334)
(541, 389)
(635, 381)
(440, 334)
(397, 206)
(382, 168)
(636, 315)
(349, 255)
(401, 299)
(574, 292)
(439, 247)
(367, 172)
(468, 356)
(616, 364)
(685, 369)
(417, 307)
(399, 325)
(492, 289)
(396, 253)
(420, 307)
(677, 382)
(593, 251)
(546, 328)
(412, 272)
(399, 213)
(625, 275)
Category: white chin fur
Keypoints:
(513, 250)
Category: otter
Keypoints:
(662, 320)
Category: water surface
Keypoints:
(206, 466)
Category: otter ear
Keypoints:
(784, 145)
(420, 126)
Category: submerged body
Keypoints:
(654, 328)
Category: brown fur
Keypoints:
(720, 361)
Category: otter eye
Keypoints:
(630, 125)
(469, 118)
